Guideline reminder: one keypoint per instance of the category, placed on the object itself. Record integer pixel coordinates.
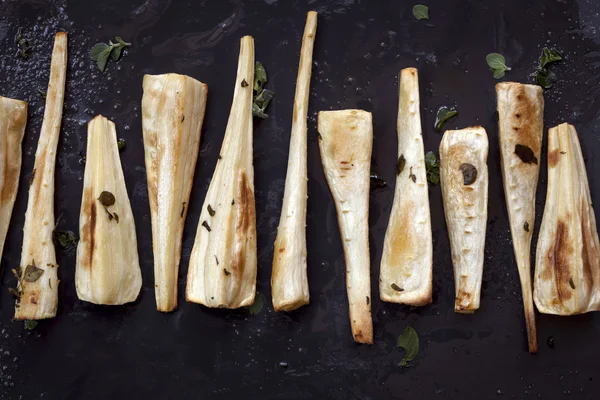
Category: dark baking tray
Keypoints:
(134, 352)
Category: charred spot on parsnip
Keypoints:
(525, 154)
(469, 173)
(205, 224)
(32, 273)
(401, 164)
(106, 198)
(210, 210)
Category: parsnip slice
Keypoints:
(345, 143)
(38, 282)
(13, 118)
(407, 260)
(222, 269)
(289, 282)
(108, 266)
(172, 113)
(520, 122)
(464, 181)
(567, 269)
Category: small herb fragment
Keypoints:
(24, 48)
(397, 288)
(244, 83)
(102, 51)
(32, 177)
(32, 273)
(401, 164)
(409, 341)
(82, 157)
(525, 154)
(210, 211)
(420, 11)
(443, 115)
(106, 198)
(262, 97)
(182, 209)
(526, 226)
(14, 292)
(227, 273)
(257, 306)
(469, 173)
(42, 93)
(432, 168)
(497, 64)
(30, 324)
(121, 144)
(550, 341)
(116, 217)
(368, 300)
(216, 259)
(65, 239)
(377, 182)
(205, 224)
(571, 283)
(412, 176)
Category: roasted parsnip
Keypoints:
(13, 118)
(464, 181)
(520, 121)
(345, 143)
(222, 269)
(108, 266)
(407, 260)
(37, 286)
(567, 268)
(289, 282)
(172, 113)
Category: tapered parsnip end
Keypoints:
(289, 280)
(172, 113)
(108, 268)
(567, 270)
(407, 260)
(345, 143)
(223, 262)
(37, 285)
(464, 182)
(13, 118)
(520, 122)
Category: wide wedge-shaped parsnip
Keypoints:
(108, 266)
(289, 283)
(520, 122)
(464, 181)
(407, 260)
(345, 143)
(172, 113)
(13, 118)
(37, 287)
(222, 269)
(567, 269)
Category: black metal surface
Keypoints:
(93, 352)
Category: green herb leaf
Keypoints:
(544, 78)
(432, 167)
(409, 341)
(497, 63)
(260, 76)
(549, 56)
(121, 144)
(98, 49)
(102, 51)
(65, 239)
(257, 306)
(443, 115)
(420, 11)
(30, 324)
(103, 59)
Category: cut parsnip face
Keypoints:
(464, 181)
(108, 266)
(345, 142)
(37, 286)
(407, 260)
(520, 122)
(289, 282)
(222, 269)
(567, 269)
(13, 118)
(172, 113)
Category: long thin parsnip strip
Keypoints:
(108, 266)
(222, 269)
(38, 279)
(567, 268)
(13, 118)
(345, 143)
(407, 261)
(520, 122)
(464, 181)
(289, 282)
(172, 113)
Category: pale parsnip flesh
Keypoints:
(38, 293)
(223, 262)
(13, 118)
(407, 260)
(520, 122)
(567, 269)
(108, 267)
(464, 182)
(172, 113)
(289, 282)
(345, 143)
